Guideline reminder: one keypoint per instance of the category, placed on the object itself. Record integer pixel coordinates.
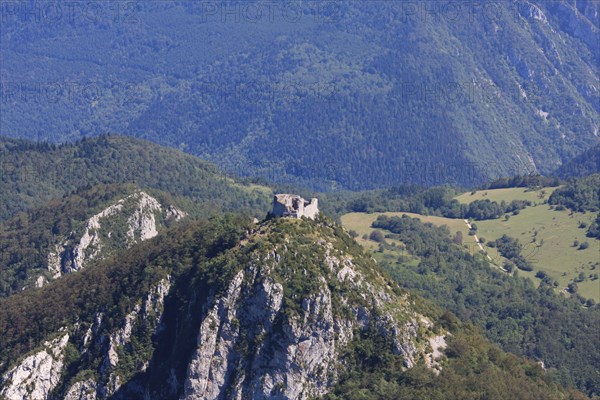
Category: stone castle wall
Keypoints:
(293, 206)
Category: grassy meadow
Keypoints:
(548, 237)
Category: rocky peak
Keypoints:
(37, 375)
(129, 220)
(291, 309)
(272, 334)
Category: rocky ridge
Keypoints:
(276, 328)
(143, 214)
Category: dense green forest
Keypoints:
(526, 181)
(475, 369)
(33, 174)
(512, 312)
(579, 195)
(323, 94)
(584, 164)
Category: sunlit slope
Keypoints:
(551, 238)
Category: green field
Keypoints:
(361, 223)
(508, 195)
(547, 236)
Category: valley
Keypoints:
(547, 235)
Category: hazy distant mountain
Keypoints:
(332, 94)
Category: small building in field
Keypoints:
(294, 206)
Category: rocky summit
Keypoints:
(228, 309)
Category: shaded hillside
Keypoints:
(586, 163)
(326, 94)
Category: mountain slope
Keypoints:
(586, 163)
(341, 94)
(521, 316)
(32, 174)
(223, 309)
(67, 235)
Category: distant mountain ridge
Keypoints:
(352, 95)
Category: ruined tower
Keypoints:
(294, 206)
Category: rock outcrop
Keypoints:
(139, 209)
(82, 390)
(38, 374)
(275, 326)
(253, 344)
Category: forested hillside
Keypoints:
(522, 319)
(581, 194)
(66, 235)
(33, 174)
(326, 94)
(584, 164)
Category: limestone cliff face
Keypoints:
(133, 219)
(250, 344)
(38, 374)
(42, 375)
(290, 299)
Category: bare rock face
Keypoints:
(74, 253)
(250, 346)
(38, 374)
(83, 390)
(142, 224)
(293, 360)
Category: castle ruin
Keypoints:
(294, 206)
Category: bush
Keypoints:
(377, 236)
(540, 274)
(584, 246)
(458, 237)
(590, 302)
